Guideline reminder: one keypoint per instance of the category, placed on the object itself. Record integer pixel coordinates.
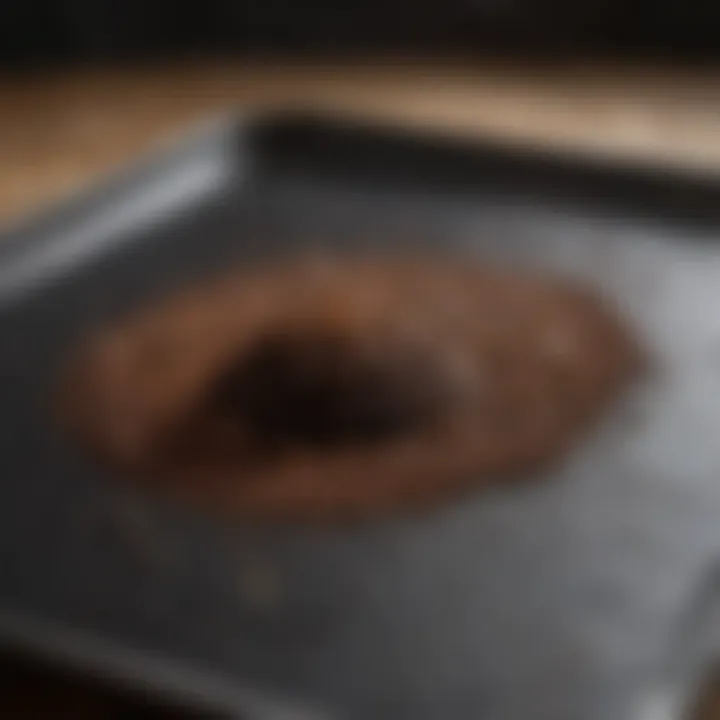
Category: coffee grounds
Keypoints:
(340, 387)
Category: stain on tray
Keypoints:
(341, 387)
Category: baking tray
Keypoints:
(583, 596)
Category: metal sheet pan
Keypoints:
(565, 599)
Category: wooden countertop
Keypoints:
(59, 132)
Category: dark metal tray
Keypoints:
(567, 599)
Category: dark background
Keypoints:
(36, 32)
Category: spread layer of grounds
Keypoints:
(326, 388)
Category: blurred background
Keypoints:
(47, 31)
(88, 85)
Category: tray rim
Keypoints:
(18, 226)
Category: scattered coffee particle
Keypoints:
(259, 585)
(349, 387)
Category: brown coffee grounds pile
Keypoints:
(348, 386)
